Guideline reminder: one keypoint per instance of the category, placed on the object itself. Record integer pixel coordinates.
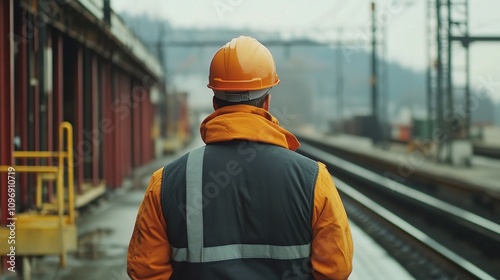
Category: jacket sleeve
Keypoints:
(149, 249)
(332, 247)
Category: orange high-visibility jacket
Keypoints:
(149, 254)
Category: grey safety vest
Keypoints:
(240, 210)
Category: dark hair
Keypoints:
(259, 102)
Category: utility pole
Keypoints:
(430, 66)
(163, 100)
(340, 82)
(439, 91)
(384, 91)
(467, 75)
(373, 79)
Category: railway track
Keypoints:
(486, 151)
(478, 149)
(431, 238)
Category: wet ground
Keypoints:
(104, 235)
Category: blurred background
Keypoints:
(400, 98)
(324, 54)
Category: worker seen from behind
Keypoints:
(245, 205)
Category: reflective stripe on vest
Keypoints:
(196, 253)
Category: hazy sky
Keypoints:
(404, 19)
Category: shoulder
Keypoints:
(175, 166)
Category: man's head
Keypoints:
(242, 72)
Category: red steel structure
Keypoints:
(6, 97)
(67, 64)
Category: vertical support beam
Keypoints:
(128, 124)
(467, 75)
(107, 11)
(78, 143)
(144, 127)
(58, 82)
(384, 92)
(117, 135)
(373, 80)
(35, 100)
(42, 72)
(49, 101)
(136, 128)
(109, 125)
(125, 105)
(449, 84)
(95, 131)
(151, 113)
(140, 129)
(6, 96)
(429, 68)
(22, 107)
(439, 92)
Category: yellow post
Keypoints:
(69, 158)
(39, 191)
(60, 212)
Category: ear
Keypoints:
(267, 102)
(214, 105)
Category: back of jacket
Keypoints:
(240, 210)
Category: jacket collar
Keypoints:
(245, 122)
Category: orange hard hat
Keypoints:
(243, 64)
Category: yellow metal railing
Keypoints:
(55, 173)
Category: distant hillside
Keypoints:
(308, 87)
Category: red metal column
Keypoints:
(48, 86)
(144, 128)
(121, 119)
(146, 133)
(117, 172)
(108, 125)
(94, 134)
(136, 129)
(36, 97)
(22, 109)
(128, 125)
(58, 92)
(118, 136)
(78, 131)
(58, 84)
(152, 113)
(140, 130)
(6, 97)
